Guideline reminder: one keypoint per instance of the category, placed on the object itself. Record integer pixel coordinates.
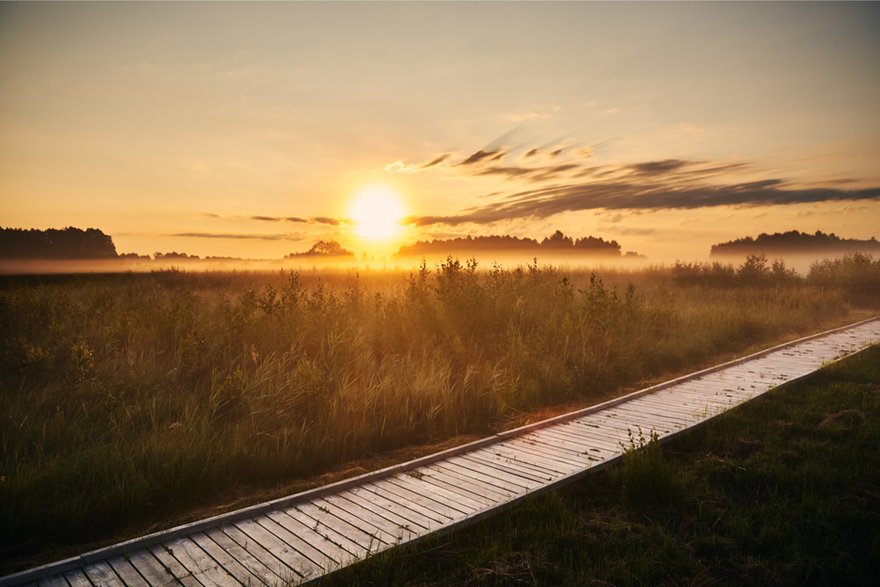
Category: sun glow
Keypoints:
(377, 212)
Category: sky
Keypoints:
(250, 129)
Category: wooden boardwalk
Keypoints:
(301, 537)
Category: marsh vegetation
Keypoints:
(131, 398)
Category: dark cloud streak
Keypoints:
(239, 236)
(627, 195)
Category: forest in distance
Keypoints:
(132, 399)
(75, 244)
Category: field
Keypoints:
(131, 400)
(780, 491)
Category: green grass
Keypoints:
(784, 490)
(130, 400)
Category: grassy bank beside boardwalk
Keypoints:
(784, 490)
(128, 401)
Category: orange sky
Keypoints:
(248, 129)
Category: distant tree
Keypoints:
(68, 243)
(323, 249)
(557, 240)
(174, 256)
(466, 245)
(794, 241)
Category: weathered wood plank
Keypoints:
(77, 579)
(151, 569)
(271, 551)
(126, 571)
(540, 464)
(101, 573)
(404, 523)
(458, 487)
(507, 468)
(474, 484)
(423, 484)
(56, 581)
(243, 557)
(173, 566)
(410, 519)
(202, 566)
(227, 561)
(390, 532)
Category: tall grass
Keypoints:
(126, 398)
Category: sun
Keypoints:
(377, 212)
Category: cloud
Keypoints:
(400, 166)
(239, 236)
(278, 218)
(658, 167)
(326, 220)
(481, 155)
(436, 161)
(631, 195)
(531, 152)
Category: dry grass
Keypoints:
(131, 398)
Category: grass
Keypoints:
(127, 400)
(784, 490)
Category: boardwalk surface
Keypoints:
(305, 536)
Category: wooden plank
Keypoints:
(101, 573)
(55, 581)
(422, 484)
(509, 468)
(391, 533)
(126, 571)
(543, 473)
(555, 453)
(241, 555)
(301, 543)
(77, 578)
(494, 472)
(434, 502)
(392, 510)
(319, 526)
(173, 566)
(473, 484)
(684, 416)
(495, 483)
(203, 567)
(458, 487)
(557, 449)
(266, 548)
(684, 410)
(645, 420)
(435, 519)
(151, 569)
(226, 560)
(405, 523)
(362, 537)
(589, 438)
(585, 447)
(306, 553)
(540, 464)
(580, 449)
(534, 460)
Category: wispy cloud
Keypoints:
(278, 218)
(400, 166)
(482, 155)
(327, 220)
(639, 195)
(239, 236)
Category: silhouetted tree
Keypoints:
(68, 243)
